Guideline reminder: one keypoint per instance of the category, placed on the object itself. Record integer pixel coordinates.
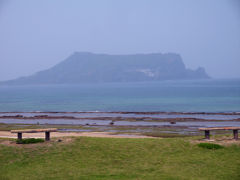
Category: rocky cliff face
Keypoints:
(87, 67)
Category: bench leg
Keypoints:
(19, 136)
(235, 134)
(207, 134)
(47, 136)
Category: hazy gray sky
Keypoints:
(35, 35)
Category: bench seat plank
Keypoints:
(219, 128)
(34, 130)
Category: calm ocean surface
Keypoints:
(181, 96)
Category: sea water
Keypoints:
(213, 95)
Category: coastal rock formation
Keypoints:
(85, 67)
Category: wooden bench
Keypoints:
(47, 132)
(207, 131)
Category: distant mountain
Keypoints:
(85, 67)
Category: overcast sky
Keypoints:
(35, 35)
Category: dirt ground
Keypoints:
(8, 134)
(223, 140)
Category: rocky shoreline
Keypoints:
(129, 112)
(148, 119)
(150, 123)
(172, 117)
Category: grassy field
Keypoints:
(113, 158)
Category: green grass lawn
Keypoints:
(112, 158)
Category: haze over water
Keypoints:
(188, 96)
(36, 35)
